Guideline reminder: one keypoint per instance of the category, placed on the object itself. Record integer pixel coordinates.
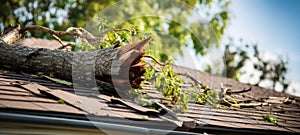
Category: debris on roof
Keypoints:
(273, 111)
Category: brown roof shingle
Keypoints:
(287, 114)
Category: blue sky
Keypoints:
(273, 24)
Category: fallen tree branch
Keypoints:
(104, 64)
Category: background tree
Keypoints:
(62, 14)
(239, 59)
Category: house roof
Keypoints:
(24, 94)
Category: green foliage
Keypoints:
(178, 21)
(270, 119)
(61, 101)
(164, 79)
(169, 83)
(273, 70)
(209, 96)
(114, 37)
(232, 70)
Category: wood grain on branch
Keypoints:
(105, 63)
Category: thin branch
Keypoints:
(239, 91)
(50, 31)
(60, 41)
(188, 75)
(64, 46)
(225, 91)
(244, 104)
(54, 33)
(156, 61)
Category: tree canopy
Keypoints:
(178, 19)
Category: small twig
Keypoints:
(239, 91)
(253, 98)
(156, 61)
(191, 77)
(60, 41)
(277, 100)
(225, 91)
(227, 102)
(244, 104)
(63, 45)
(153, 66)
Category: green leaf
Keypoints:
(270, 119)
(61, 101)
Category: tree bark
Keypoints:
(116, 65)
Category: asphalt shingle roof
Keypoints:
(18, 99)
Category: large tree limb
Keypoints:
(123, 62)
